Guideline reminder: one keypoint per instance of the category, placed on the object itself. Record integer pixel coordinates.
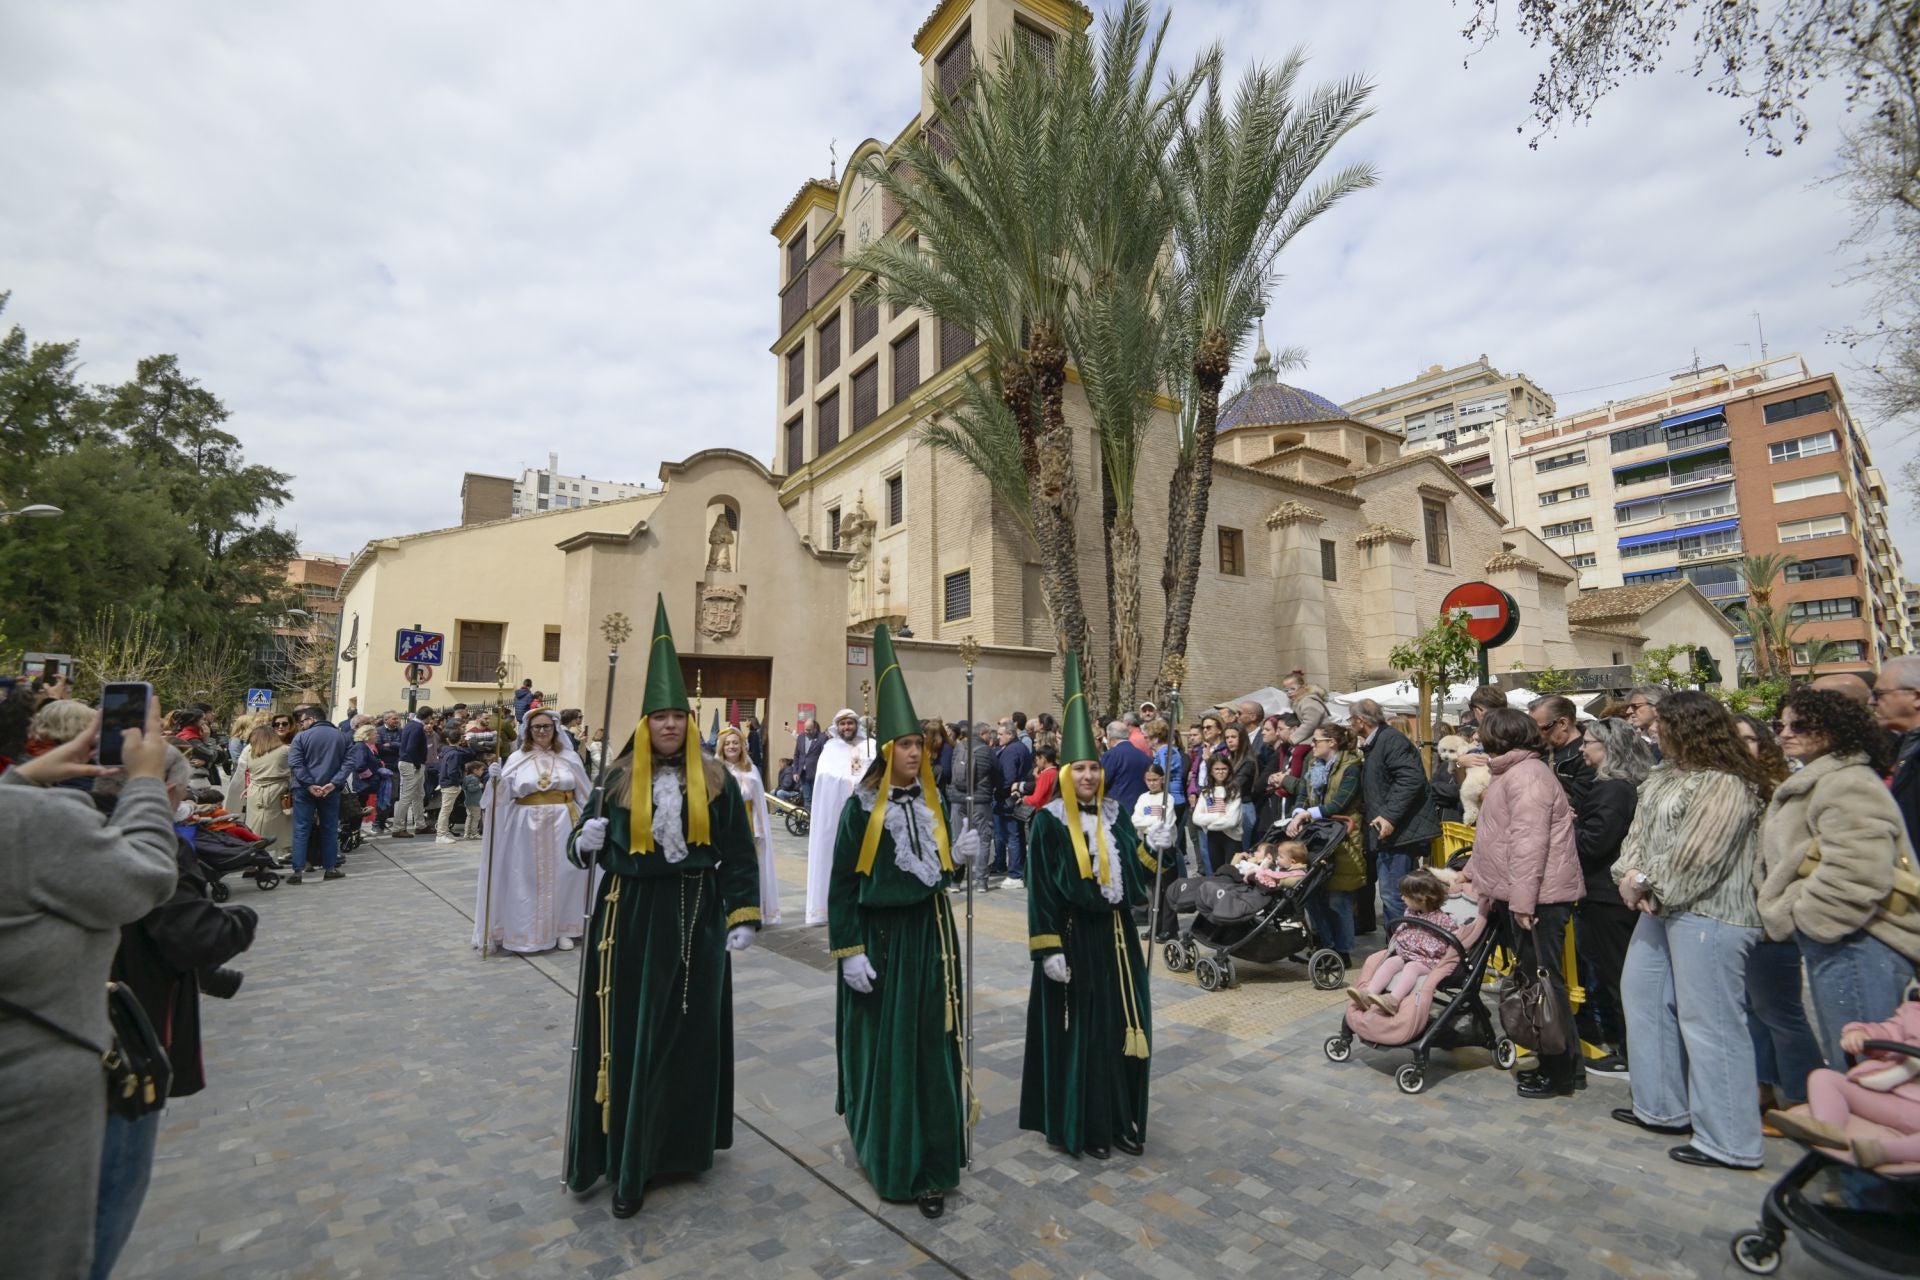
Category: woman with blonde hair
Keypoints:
(731, 748)
(269, 781)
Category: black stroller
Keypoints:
(1239, 921)
(1862, 1242)
(221, 854)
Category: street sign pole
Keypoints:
(413, 690)
(1485, 678)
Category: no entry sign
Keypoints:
(1492, 616)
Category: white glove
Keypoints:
(740, 937)
(1055, 967)
(493, 771)
(592, 837)
(857, 972)
(966, 846)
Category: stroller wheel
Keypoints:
(1410, 1078)
(1338, 1048)
(1755, 1253)
(267, 880)
(220, 891)
(1176, 956)
(1505, 1054)
(1326, 970)
(1208, 974)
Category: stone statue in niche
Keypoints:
(885, 587)
(856, 534)
(720, 540)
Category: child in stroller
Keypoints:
(1412, 953)
(1266, 924)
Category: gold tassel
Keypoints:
(876, 818)
(699, 821)
(640, 787)
(931, 794)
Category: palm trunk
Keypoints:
(1109, 512)
(1179, 491)
(1123, 555)
(1053, 493)
(1209, 375)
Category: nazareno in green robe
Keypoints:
(900, 1080)
(1085, 1076)
(668, 997)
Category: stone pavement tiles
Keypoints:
(383, 1103)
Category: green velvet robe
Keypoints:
(899, 1054)
(1078, 1086)
(670, 1078)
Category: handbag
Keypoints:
(1529, 1015)
(139, 1075)
(286, 802)
(1902, 898)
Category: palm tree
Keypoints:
(993, 198)
(1819, 651)
(1240, 174)
(1761, 573)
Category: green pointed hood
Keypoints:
(894, 716)
(1076, 718)
(666, 690)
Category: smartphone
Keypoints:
(123, 706)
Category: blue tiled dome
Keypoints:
(1275, 405)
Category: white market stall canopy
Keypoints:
(1403, 699)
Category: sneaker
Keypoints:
(1015, 882)
(295, 878)
(402, 835)
(1608, 1064)
(445, 840)
(335, 874)
(566, 944)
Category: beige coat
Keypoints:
(1841, 802)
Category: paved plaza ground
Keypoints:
(383, 1103)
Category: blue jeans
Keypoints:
(318, 820)
(1394, 863)
(1249, 823)
(1330, 912)
(126, 1165)
(1685, 992)
(1009, 844)
(1784, 1047)
(1857, 979)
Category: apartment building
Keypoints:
(1718, 465)
(1469, 412)
(547, 489)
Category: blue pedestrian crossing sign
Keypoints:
(259, 699)
(419, 646)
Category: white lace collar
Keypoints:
(1111, 887)
(669, 804)
(916, 850)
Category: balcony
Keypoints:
(1717, 552)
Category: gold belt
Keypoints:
(546, 797)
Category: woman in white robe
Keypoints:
(732, 750)
(539, 898)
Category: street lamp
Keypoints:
(35, 511)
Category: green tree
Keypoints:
(1241, 171)
(1657, 666)
(1443, 655)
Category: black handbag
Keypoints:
(139, 1074)
(1529, 1015)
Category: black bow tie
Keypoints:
(906, 793)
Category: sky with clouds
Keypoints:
(407, 241)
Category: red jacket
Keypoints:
(1524, 852)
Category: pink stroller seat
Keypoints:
(1404, 1025)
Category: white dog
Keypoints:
(1469, 765)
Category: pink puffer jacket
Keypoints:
(1523, 849)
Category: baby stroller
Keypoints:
(222, 854)
(796, 817)
(1432, 1017)
(1237, 920)
(1864, 1242)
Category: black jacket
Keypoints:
(1600, 822)
(806, 758)
(1393, 785)
(1571, 767)
(1906, 782)
(160, 956)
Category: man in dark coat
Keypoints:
(1400, 821)
(1896, 704)
(806, 754)
(1126, 768)
(1566, 746)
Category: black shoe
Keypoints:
(625, 1208)
(1538, 1086)
(1128, 1145)
(335, 874)
(1346, 959)
(1693, 1155)
(1098, 1153)
(1625, 1115)
(933, 1204)
(295, 878)
(1608, 1064)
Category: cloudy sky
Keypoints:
(407, 241)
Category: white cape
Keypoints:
(753, 793)
(841, 764)
(538, 896)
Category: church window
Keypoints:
(866, 323)
(906, 364)
(896, 499)
(958, 596)
(1329, 564)
(796, 370)
(479, 653)
(550, 651)
(866, 395)
(1434, 519)
(829, 350)
(829, 422)
(833, 528)
(796, 442)
(954, 342)
(1233, 559)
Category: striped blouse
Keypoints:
(1696, 836)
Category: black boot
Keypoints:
(933, 1204)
